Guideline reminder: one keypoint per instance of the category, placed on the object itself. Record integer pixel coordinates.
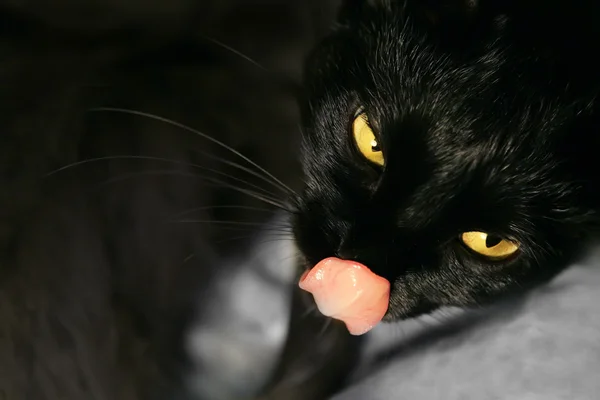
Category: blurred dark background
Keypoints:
(63, 57)
(85, 252)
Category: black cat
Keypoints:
(450, 146)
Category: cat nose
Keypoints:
(341, 248)
(349, 253)
(344, 251)
(345, 254)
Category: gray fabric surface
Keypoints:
(243, 322)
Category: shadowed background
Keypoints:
(94, 273)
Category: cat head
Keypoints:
(443, 159)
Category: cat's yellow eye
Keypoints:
(489, 246)
(365, 140)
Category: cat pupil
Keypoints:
(491, 241)
(375, 146)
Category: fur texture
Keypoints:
(487, 117)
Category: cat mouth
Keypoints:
(348, 291)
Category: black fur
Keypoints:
(488, 119)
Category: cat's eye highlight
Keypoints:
(365, 140)
(489, 246)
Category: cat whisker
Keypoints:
(234, 223)
(276, 237)
(184, 127)
(245, 237)
(188, 258)
(286, 81)
(210, 180)
(237, 229)
(215, 207)
(310, 310)
(236, 52)
(284, 231)
(242, 168)
(326, 326)
(398, 331)
(240, 228)
(160, 159)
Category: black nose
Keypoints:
(368, 257)
(344, 255)
(343, 251)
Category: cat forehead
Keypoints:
(402, 81)
(395, 69)
(392, 44)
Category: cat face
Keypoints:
(437, 157)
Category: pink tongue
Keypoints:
(348, 291)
